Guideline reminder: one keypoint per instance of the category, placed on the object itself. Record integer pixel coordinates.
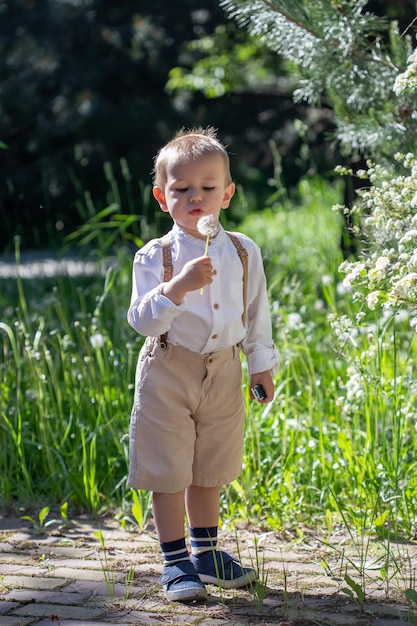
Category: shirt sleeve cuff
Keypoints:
(263, 360)
(163, 308)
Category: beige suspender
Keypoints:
(243, 255)
(167, 258)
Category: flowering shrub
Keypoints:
(386, 273)
(383, 280)
(407, 81)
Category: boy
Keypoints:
(197, 311)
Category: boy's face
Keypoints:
(195, 189)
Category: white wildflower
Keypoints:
(382, 263)
(413, 324)
(402, 288)
(376, 275)
(402, 315)
(97, 340)
(409, 237)
(372, 299)
(407, 81)
(31, 395)
(354, 270)
(294, 321)
(355, 390)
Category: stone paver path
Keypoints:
(66, 578)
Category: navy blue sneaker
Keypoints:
(221, 569)
(181, 582)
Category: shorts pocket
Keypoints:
(145, 361)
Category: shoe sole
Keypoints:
(186, 595)
(235, 583)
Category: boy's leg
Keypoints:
(168, 515)
(202, 506)
(179, 578)
(213, 566)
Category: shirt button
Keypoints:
(214, 272)
(214, 336)
(216, 306)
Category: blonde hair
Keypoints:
(186, 146)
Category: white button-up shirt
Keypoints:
(210, 321)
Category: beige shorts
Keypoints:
(187, 420)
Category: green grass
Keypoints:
(338, 444)
(67, 361)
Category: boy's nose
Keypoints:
(195, 195)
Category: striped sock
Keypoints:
(203, 540)
(174, 551)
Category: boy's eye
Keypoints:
(185, 189)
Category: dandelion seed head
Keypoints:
(207, 226)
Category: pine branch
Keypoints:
(305, 26)
(343, 55)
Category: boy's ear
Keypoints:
(228, 195)
(160, 198)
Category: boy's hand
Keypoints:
(264, 379)
(195, 274)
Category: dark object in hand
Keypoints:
(258, 392)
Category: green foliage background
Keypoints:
(88, 85)
(83, 84)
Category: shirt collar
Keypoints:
(182, 235)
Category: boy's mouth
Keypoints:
(196, 211)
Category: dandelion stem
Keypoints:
(207, 244)
(205, 254)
